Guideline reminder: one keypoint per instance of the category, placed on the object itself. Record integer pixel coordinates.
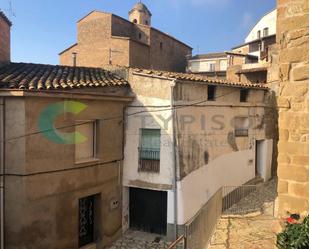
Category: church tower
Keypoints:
(140, 14)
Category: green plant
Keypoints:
(295, 235)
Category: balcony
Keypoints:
(149, 160)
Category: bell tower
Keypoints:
(140, 14)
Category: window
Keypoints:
(241, 125)
(134, 21)
(211, 94)
(146, 22)
(161, 45)
(223, 65)
(86, 220)
(212, 67)
(259, 34)
(139, 36)
(244, 93)
(265, 32)
(85, 147)
(149, 151)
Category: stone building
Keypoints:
(5, 43)
(106, 39)
(293, 159)
(212, 65)
(61, 133)
(187, 136)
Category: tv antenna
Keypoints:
(10, 10)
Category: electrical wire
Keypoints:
(176, 107)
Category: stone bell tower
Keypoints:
(140, 14)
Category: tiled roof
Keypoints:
(27, 76)
(196, 78)
(4, 17)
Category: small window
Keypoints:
(241, 126)
(86, 220)
(134, 21)
(212, 67)
(140, 36)
(211, 94)
(85, 147)
(259, 34)
(161, 45)
(149, 151)
(244, 93)
(146, 22)
(266, 32)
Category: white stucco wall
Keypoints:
(148, 120)
(198, 187)
(267, 21)
(131, 177)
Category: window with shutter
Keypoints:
(149, 150)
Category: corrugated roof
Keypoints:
(28, 76)
(196, 78)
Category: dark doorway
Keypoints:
(148, 210)
(86, 220)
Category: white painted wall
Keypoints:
(198, 187)
(269, 20)
(203, 65)
(132, 139)
(132, 133)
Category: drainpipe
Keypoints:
(174, 121)
(2, 179)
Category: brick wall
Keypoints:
(293, 102)
(5, 40)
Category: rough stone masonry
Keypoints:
(293, 103)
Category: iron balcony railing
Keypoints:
(149, 160)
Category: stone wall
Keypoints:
(43, 186)
(293, 103)
(5, 38)
(103, 36)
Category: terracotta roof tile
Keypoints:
(46, 77)
(197, 78)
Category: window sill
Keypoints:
(87, 161)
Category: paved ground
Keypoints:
(256, 230)
(140, 240)
(246, 233)
(262, 200)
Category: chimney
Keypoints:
(74, 58)
(5, 39)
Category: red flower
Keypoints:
(290, 220)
